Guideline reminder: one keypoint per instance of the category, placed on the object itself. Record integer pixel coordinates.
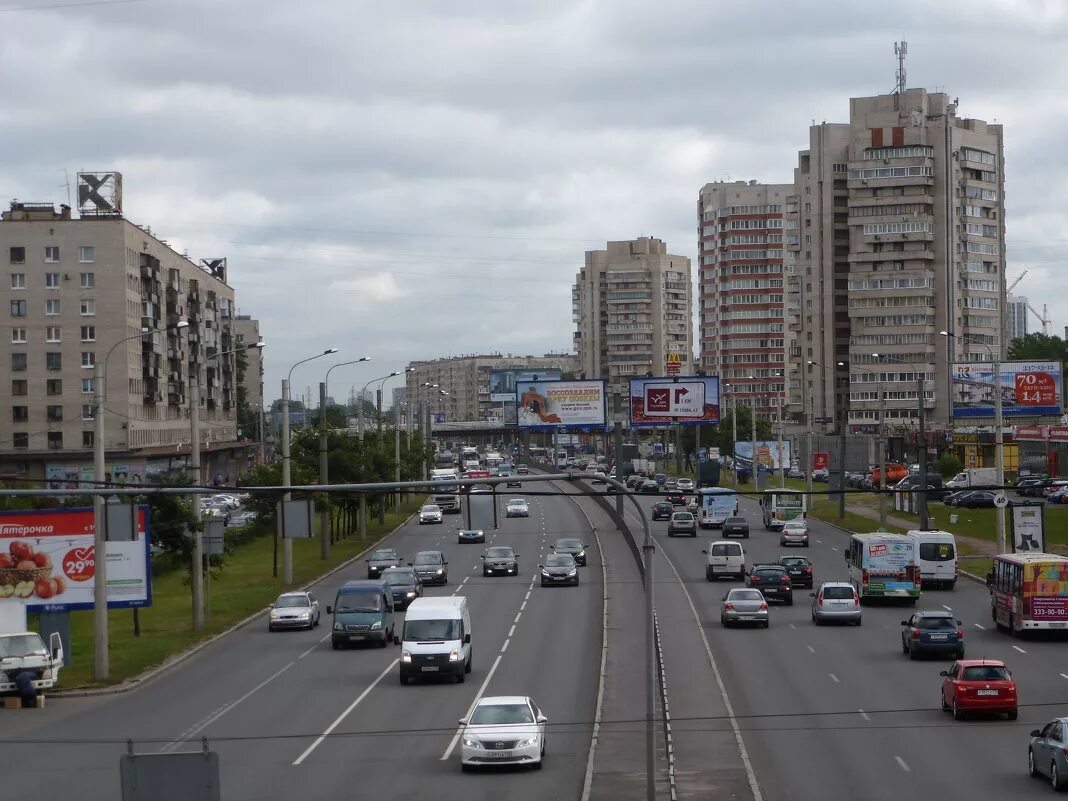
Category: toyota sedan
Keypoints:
(503, 730)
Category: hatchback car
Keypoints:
(736, 527)
(634, 480)
(431, 567)
(500, 560)
(573, 546)
(799, 569)
(404, 584)
(1048, 753)
(682, 523)
(684, 485)
(380, 560)
(294, 610)
(932, 632)
(517, 507)
(559, 568)
(836, 601)
(978, 685)
(671, 484)
(773, 581)
(794, 532)
(431, 513)
(663, 510)
(503, 730)
(744, 606)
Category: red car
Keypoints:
(978, 685)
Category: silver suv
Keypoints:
(682, 523)
(835, 601)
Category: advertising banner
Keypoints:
(502, 383)
(1028, 389)
(821, 461)
(48, 560)
(1028, 528)
(691, 400)
(561, 404)
(767, 454)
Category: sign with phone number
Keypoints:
(1049, 608)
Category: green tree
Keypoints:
(948, 465)
(1038, 346)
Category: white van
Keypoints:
(725, 558)
(437, 639)
(937, 555)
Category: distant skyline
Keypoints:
(432, 191)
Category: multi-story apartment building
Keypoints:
(632, 305)
(247, 334)
(466, 379)
(79, 291)
(1015, 318)
(905, 209)
(741, 244)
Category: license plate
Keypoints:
(986, 692)
(1053, 625)
(559, 578)
(745, 617)
(718, 567)
(938, 636)
(429, 668)
(499, 754)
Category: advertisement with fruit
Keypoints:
(48, 561)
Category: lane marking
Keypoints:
(1018, 648)
(343, 715)
(1064, 675)
(511, 631)
(980, 626)
(901, 762)
(519, 615)
(218, 713)
(811, 650)
(864, 714)
(321, 641)
(505, 646)
(471, 709)
(522, 606)
(819, 542)
(793, 627)
(947, 608)
(834, 678)
(833, 548)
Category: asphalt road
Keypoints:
(265, 701)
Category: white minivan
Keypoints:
(725, 558)
(937, 556)
(436, 639)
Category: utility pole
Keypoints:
(100, 585)
(194, 470)
(734, 436)
(999, 450)
(324, 505)
(782, 465)
(752, 426)
(921, 496)
(617, 432)
(287, 543)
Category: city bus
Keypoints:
(1029, 591)
(782, 505)
(884, 566)
(714, 505)
(537, 453)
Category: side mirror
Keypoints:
(55, 644)
(462, 721)
(960, 623)
(270, 606)
(396, 640)
(516, 555)
(542, 719)
(812, 594)
(467, 639)
(704, 551)
(904, 622)
(329, 610)
(367, 560)
(482, 557)
(943, 673)
(541, 567)
(1036, 733)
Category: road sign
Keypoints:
(821, 461)
(674, 363)
(675, 399)
(1000, 500)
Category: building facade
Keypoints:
(905, 210)
(741, 229)
(81, 291)
(1015, 318)
(632, 306)
(246, 334)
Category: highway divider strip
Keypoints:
(669, 746)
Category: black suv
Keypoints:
(799, 569)
(662, 510)
(773, 581)
(735, 527)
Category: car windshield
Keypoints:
(22, 645)
(498, 553)
(431, 630)
(985, 673)
(744, 595)
(517, 503)
(501, 714)
(428, 558)
(936, 622)
(683, 517)
(359, 601)
(796, 524)
(567, 545)
(384, 554)
(838, 592)
(561, 560)
(287, 601)
(431, 508)
(402, 577)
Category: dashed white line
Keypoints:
(833, 548)
(1018, 648)
(864, 714)
(511, 631)
(901, 762)
(793, 627)
(478, 695)
(505, 646)
(979, 626)
(819, 542)
(1064, 675)
(522, 606)
(321, 641)
(811, 650)
(834, 678)
(518, 615)
(947, 608)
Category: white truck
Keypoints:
(447, 495)
(25, 651)
(974, 477)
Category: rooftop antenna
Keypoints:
(900, 49)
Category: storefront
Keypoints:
(1043, 449)
(977, 448)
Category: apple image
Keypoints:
(24, 589)
(7, 590)
(44, 588)
(7, 561)
(21, 550)
(61, 584)
(26, 564)
(42, 559)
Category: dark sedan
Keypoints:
(573, 546)
(773, 581)
(500, 559)
(559, 568)
(662, 510)
(404, 584)
(980, 499)
(799, 569)
(431, 567)
(932, 632)
(382, 559)
(676, 499)
(649, 487)
(736, 527)
(954, 498)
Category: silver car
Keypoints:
(684, 485)
(835, 601)
(742, 605)
(794, 532)
(431, 513)
(1048, 753)
(517, 507)
(683, 523)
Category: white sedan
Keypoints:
(503, 730)
(430, 513)
(517, 507)
(794, 532)
(684, 485)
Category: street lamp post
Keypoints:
(359, 415)
(999, 434)
(287, 543)
(922, 494)
(324, 509)
(881, 445)
(101, 661)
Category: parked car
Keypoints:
(980, 499)
(795, 472)
(821, 474)
(1047, 755)
(979, 685)
(662, 510)
(836, 601)
(799, 569)
(1060, 496)
(773, 581)
(735, 527)
(954, 498)
(744, 606)
(682, 523)
(932, 632)
(1024, 485)
(1054, 485)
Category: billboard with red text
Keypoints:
(688, 400)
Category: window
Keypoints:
(87, 439)
(18, 308)
(53, 334)
(18, 280)
(88, 333)
(55, 440)
(51, 280)
(54, 360)
(88, 280)
(20, 386)
(890, 172)
(980, 156)
(86, 254)
(20, 414)
(88, 360)
(87, 411)
(87, 308)
(55, 413)
(18, 255)
(897, 228)
(18, 362)
(18, 336)
(54, 386)
(52, 307)
(21, 440)
(52, 254)
(914, 151)
(87, 386)
(936, 551)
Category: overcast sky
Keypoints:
(410, 180)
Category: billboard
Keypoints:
(767, 453)
(555, 404)
(502, 383)
(47, 561)
(1028, 389)
(689, 400)
(1028, 528)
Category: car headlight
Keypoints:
(572, 572)
(410, 594)
(471, 742)
(376, 625)
(527, 742)
(454, 656)
(304, 615)
(274, 614)
(440, 572)
(338, 626)
(581, 553)
(406, 656)
(545, 573)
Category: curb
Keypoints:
(182, 656)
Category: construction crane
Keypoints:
(1042, 318)
(1012, 286)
